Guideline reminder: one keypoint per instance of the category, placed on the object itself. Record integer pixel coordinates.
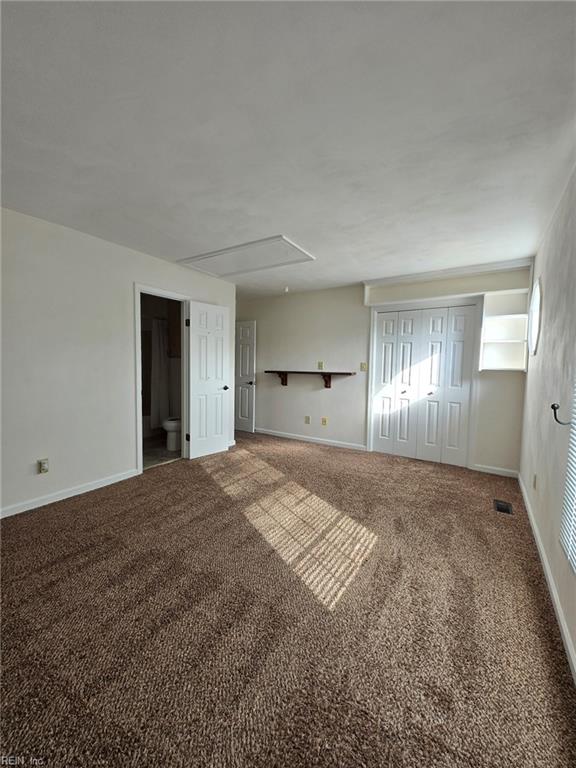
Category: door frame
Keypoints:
(139, 289)
(400, 306)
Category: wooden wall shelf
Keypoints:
(326, 375)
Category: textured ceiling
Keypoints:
(383, 138)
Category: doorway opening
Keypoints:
(161, 372)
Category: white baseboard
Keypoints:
(494, 470)
(563, 624)
(40, 501)
(307, 439)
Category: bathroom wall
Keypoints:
(175, 356)
(175, 370)
(69, 373)
(150, 307)
(169, 310)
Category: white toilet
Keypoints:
(172, 427)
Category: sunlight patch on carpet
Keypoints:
(323, 546)
(239, 473)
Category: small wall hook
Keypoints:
(555, 407)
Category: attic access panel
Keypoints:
(277, 251)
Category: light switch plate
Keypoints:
(320, 365)
(324, 421)
(363, 366)
(306, 419)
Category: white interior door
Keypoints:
(210, 390)
(245, 382)
(384, 393)
(407, 382)
(432, 379)
(460, 338)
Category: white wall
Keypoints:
(498, 420)
(464, 285)
(69, 386)
(296, 331)
(551, 379)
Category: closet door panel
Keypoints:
(460, 340)
(407, 382)
(432, 384)
(384, 417)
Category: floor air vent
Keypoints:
(503, 506)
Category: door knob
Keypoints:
(403, 392)
(225, 386)
(430, 393)
(251, 383)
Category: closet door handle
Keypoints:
(403, 392)
(430, 393)
(225, 386)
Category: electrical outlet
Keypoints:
(42, 466)
(306, 419)
(324, 421)
(534, 481)
(320, 365)
(363, 366)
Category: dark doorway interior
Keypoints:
(161, 379)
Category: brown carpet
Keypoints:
(283, 606)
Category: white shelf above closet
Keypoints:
(504, 342)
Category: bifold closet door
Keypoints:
(460, 339)
(432, 381)
(395, 399)
(421, 384)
